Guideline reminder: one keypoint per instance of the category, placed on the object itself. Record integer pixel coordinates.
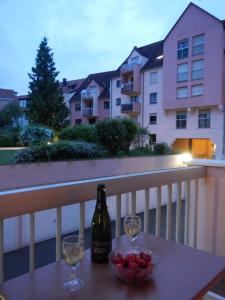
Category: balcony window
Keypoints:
(118, 101)
(197, 90)
(182, 49)
(198, 44)
(153, 77)
(106, 104)
(197, 69)
(133, 99)
(204, 119)
(153, 119)
(182, 72)
(118, 83)
(77, 106)
(182, 92)
(181, 120)
(153, 98)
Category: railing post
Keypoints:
(82, 219)
(1, 251)
(169, 212)
(146, 212)
(133, 203)
(187, 213)
(195, 222)
(118, 215)
(32, 243)
(58, 233)
(158, 211)
(178, 212)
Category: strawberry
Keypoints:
(132, 265)
(142, 275)
(130, 276)
(142, 263)
(131, 257)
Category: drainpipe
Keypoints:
(142, 109)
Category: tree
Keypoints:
(10, 114)
(46, 105)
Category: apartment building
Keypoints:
(175, 87)
(6, 96)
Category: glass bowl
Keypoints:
(133, 265)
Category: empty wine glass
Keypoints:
(132, 226)
(73, 253)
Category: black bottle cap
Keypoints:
(101, 186)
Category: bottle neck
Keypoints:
(101, 200)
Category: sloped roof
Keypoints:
(7, 94)
(71, 85)
(102, 79)
(152, 51)
(22, 97)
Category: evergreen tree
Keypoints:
(46, 105)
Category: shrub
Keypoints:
(63, 150)
(9, 137)
(35, 135)
(87, 133)
(131, 130)
(162, 148)
(111, 134)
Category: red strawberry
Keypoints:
(142, 275)
(132, 265)
(142, 263)
(131, 257)
(130, 276)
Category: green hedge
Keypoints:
(35, 135)
(9, 137)
(87, 133)
(162, 149)
(63, 150)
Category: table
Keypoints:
(183, 273)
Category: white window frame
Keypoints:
(156, 98)
(197, 72)
(182, 52)
(153, 122)
(193, 87)
(198, 47)
(182, 75)
(204, 118)
(182, 120)
(179, 89)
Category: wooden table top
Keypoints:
(183, 273)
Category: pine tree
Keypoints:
(46, 105)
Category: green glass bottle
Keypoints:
(101, 232)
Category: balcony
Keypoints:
(87, 112)
(129, 68)
(131, 108)
(89, 94)
(198, 188)
(130, 88)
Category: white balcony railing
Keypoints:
(87, 112)
(128, 67)
(35, 199)
(89, 94)
(127, 87)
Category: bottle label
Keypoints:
(100, 251)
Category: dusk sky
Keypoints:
(87, 36)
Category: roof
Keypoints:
(152, 51)
(102, 79)
(193, 4)
(7, 94)
(70, 86)
(22, 97)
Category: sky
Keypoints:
(86, 36)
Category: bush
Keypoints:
(131, 130)
(162, 148)
(63, 150)
(87, 133)
(35, 135)
(9, 137)
(111, 134)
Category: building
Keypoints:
(6, 96)
(174, 87)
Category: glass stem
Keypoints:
(73, 274)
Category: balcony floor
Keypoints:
(17, 262)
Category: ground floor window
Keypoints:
(152, 139)
(204, 119)
(181, 120)
(78, 121)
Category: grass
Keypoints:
(6, 156)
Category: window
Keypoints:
(182, 49)
(197, 69)
(204, 119)
(153, 98)
(182, 72)
(181, 120)
(153, 119)
(106, 104)
(133, 99)
(198, 44)
(23, 103)
(152, 139)
(153, 77)
(77, 106)
(135, 60)
(78, 121)
(197, 90)
(118, 101)
(118, 83)
(182, 92)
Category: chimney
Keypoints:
(64, 82)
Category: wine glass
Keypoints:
(73, 253)
(132, 226)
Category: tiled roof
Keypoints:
(102, 79)
(22, 97)
(71, 85)
(7, 94)
(152, 51)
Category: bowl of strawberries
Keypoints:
(133, 265)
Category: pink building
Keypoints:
(6, 97)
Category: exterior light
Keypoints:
(159, 57)
(186, 157)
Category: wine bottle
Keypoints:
(101, 233)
